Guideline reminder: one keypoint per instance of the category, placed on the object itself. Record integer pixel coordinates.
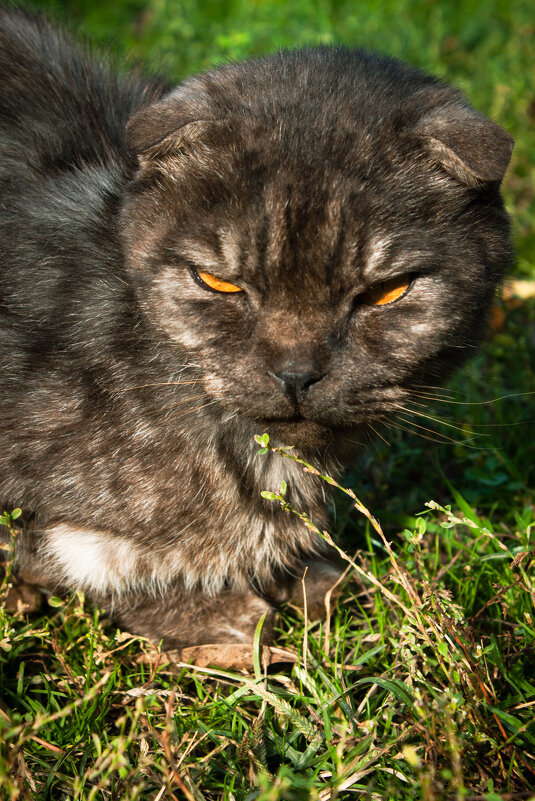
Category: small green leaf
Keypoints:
(442, 648)
(257, 647)
(283, 488)
(269, 496)
(54, 601)
(16, 513)
(512, 723)
(421, 525)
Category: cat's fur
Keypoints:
(130, 393)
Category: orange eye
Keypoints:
(217, 284)
(386, 291)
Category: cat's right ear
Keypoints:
(154, 128)
(170, 129)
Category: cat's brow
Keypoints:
(230, 249)
(199, 253)
(377, 252)
(384, 255)
(412, 259)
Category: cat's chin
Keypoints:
(298, 431)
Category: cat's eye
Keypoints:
(214, 283)
(386, 291)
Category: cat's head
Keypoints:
(320, 231)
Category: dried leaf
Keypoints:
(231, 656)
(519, 289)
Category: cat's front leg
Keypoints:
(180, 617)
(137, 587)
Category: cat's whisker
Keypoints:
(478, 403)
(370, 440)
(433, 398)
(174, 418)
(169, 417)
(417, 403)
(231, 416)
(187, 400)
(439, 437)
(436, 420)
(472, 424)
(379, 435)
(161, 384)
(433, 389)
(445, 437)
(171, 407)
(408, 429)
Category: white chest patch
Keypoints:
(92, 560)
(101, 563)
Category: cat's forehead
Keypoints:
(274, 247)
(284, 230)
(312, 165)
(287, 211)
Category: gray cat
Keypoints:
(288, 245)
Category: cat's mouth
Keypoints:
(297, 430)
(294, 418)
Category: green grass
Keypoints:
(422, 685)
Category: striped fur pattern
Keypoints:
(131, 393)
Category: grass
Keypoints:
(422, 683)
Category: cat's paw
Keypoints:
(312, 586)
(181, 619)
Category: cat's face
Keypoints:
(314, 268)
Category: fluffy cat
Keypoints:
(289, 244)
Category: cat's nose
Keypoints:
(296, 385)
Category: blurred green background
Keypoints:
(485, 48)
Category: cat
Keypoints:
(289, 245)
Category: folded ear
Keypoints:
(152, 124)
(469, 146)
(178, 125)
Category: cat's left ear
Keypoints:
(469, 146)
